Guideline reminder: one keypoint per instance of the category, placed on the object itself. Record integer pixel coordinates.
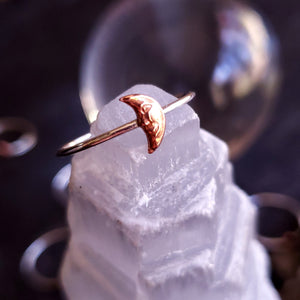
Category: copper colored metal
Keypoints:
(150, 116)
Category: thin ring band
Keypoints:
(86, 141)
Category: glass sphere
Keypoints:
(225, 53)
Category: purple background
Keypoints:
(40, 47)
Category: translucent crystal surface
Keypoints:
(167, 225)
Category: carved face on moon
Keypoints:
(150, 117)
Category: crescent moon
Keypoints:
(150, 116)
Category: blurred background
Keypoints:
(41, 47)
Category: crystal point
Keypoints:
(168, 225)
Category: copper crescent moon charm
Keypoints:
(150, 117)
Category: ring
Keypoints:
(150, 117)
(28, 263)
(288, 239)
(17, 137)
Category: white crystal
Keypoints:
(169, 225)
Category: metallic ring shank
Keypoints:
(86, 141)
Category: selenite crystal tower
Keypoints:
(168, 225)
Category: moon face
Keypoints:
(150, 117)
